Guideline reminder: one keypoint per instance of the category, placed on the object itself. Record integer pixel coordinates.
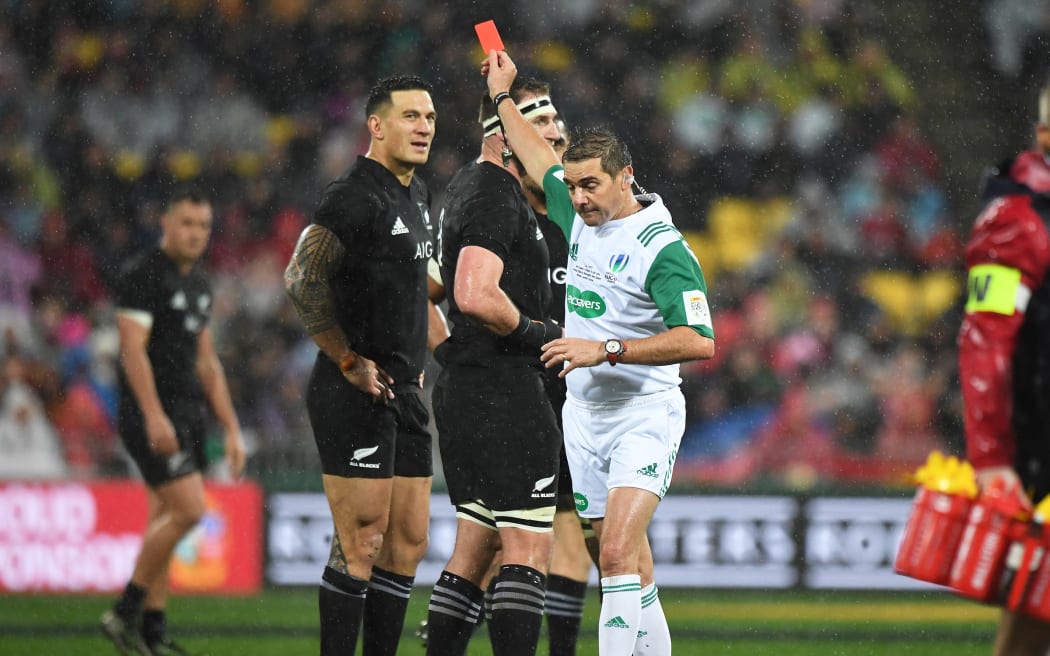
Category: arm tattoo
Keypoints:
(337, 559)
(315, 260)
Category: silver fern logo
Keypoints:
(361, 454)
(543, 484)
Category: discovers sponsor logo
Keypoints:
(581, 502)
(585, 303)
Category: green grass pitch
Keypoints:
(756, 623)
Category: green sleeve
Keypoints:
(559, 203)
(677, 286)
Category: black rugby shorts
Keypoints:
(556, 393)
(498, 436)
(358, 437)
(187, 417)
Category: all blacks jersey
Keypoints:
(179, 307)
(380, 287)
(485, 206)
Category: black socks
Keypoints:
(454, 611)
(341, 601)
(384, 615)
(564, 610)
(517, 611)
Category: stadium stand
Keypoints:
(793, 147)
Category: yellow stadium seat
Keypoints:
(743, 228)
(912, 301)
(706, 252)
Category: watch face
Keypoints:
(613, 346)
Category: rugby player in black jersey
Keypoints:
(575, 547)
(358, 280)
(498, 434)
(169, 368)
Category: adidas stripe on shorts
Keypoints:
(629, 443)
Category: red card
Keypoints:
(488, 35)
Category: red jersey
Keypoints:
(1003, 339)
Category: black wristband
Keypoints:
(534, 334)
(500, 97)
(523, 327)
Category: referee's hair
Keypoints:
(602, 143)
(380, 94)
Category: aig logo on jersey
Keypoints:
(424, 250)
(557, 275)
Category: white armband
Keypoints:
(141, 317)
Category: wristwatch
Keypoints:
(614, 349)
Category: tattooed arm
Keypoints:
(307, 280)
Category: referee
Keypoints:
(358, 280)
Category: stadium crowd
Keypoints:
(784, 138)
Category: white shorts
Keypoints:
(630, 443)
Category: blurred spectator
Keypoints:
(1010, 23)
(813, 128)
(19, 271)
(68, 265)
(87, 432)
(749, 379)
(844, 397)
(29, 448)
(876, 80)
(908, 403)
(905, 155)
(700, 122)
(225, 117)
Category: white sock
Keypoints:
(621, 610)
(654, 638)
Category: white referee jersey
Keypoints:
(628, 279)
